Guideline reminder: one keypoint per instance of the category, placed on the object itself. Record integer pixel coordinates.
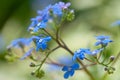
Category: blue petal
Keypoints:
(65, 68)
(57, 10)
(71, 73)
(38, 46)
(75, 66)
(81, 56)
(48, 38)
(66, 75)
(107, 41)
(74, 57)
(43, 46)
(97, 43)
(102, 37)
(41, 25)
(36, 29)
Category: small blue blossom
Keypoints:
(28, 53)
(57, 10)
(70, 70)
(19, 43)
(116, 23)
(103, 40)
(63, 5)
(41, 43)
(81, 54)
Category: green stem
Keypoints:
(100, 55)
(118, 55)
(101, 63)
(49, 34)
(46, 58)
(89, 60)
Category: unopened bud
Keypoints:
(32, 73)
(105, 68)
(112, 58)
(40, 74)
(32, 64)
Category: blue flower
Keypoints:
(81, 54)
(103, 40)
(116, 23)
(37, 24)
(63, 5)
(57, 10)
(41, 43)
(20, 43)
(70, 70)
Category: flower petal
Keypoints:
(65, 68)
(71, 73)
(66, 75)
(75, 66)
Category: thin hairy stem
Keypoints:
(118, 55)
(89, 60)
(47, 57)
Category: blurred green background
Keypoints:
(92, 17)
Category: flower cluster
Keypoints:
(101, 40)
(56, 15)
(49, 14)
(80, 54)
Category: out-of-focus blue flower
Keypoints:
(81, 54)
(63, 5)
(41, 43)
(28, 53)
(45, 15)
(19, 43)
(70, 70)
(57, 10)
(103, 40)
(94, 52)
(116, 23)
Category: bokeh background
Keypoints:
(92, 17)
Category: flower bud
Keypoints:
(112, 58)
(32, 64)
(40, 74)
(32, 73)
(105, 68)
